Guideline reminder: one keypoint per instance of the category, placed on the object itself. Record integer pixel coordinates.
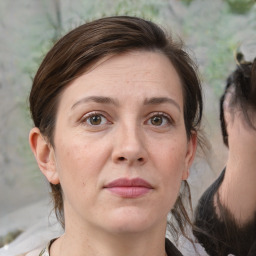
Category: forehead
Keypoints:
(133, 64)
(138, 73)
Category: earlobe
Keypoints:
(44, 154)
(191, 152)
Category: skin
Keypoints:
(239, 182)
(137, 136)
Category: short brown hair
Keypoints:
(84, 46)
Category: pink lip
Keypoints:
(129, 188)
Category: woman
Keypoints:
(227, 210)
(117, 108)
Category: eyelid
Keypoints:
(163, 114)
(86, 116)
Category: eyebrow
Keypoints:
(108, 100)
(97, 99)
(161, 100)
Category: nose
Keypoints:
(129, 146)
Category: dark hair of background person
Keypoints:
(83, 47)
(243, 79)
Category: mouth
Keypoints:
(129, 188)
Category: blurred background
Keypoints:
(212, 32)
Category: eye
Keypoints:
(156, 120)
(159, 119)
(94, 119)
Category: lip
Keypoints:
(129, 188)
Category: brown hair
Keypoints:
(84, 46)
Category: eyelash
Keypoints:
(86, 118)
(163, 115)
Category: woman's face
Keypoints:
(121, 149)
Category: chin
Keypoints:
(129, 228)
(131, 221)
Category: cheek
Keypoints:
(172, 156)
(74, 163)
(171, 165)
(80, 162)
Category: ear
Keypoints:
(190, 155)
(44, 154)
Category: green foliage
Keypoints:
(186, 2)
(141, 9)
(9, 237)
(240, 6)
(148, 9)
(221, 63)
(216, 36)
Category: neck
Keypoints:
(90, 241)
(238, 189)
(242, 154)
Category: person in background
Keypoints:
(227, 210)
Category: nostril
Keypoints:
(123, 159)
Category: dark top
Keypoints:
(170, 249)
(221, 235)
